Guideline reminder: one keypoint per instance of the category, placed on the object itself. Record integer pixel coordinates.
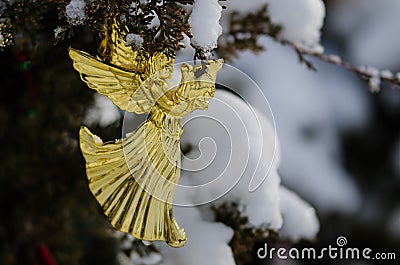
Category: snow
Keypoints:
(231, 143)
(153, 258)
(375, 83)
(229, 117)
(299, 218)
(387, 74)
(155, 22)
(335, 58)
(103, 112)
(302, 20)
(310, 110)
(207, 241)
(134, 39)
(57, 32)
(124, 260)
(371, 70)
(2, 43)
(75, 12)
(204, 23)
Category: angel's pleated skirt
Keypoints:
(134, 181)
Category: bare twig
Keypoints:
(373, 75)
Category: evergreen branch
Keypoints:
(244, 31)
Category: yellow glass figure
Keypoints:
(134, 179)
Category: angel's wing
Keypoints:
(124, 88)
(113, 50)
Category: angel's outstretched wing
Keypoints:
(124, 88)
(119, 72)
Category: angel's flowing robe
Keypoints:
(134, 179)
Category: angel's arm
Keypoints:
(197, 80)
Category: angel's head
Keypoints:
(166, 72)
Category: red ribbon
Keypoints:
(44, 256)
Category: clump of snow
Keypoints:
(299, 218)
(204, 23)
(371, 70)
(151, 259)
(134, 40)
(207, 241)
(125, 239)
(302, 20)
(123, 259)
(155, 22)
(375, 79)
(387, 74)
(75, 12)
(317, 49)
(2, 42)
(335, 58)
(57, 32)
(375, 83)
(103, 112)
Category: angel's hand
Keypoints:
(186, 84)
(198, 81)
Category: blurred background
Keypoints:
(340, 143)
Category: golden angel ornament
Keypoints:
(134, 179)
